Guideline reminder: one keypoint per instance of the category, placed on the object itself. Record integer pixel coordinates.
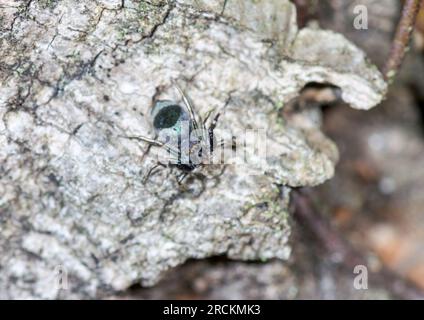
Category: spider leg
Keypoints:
(154, 142)
(211, 129)
(233, 143)
(189, 106)
(214, 123)
(146, 139)
(208, 114)
(150, 172)
(182, 177)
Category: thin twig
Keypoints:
(335, 245)
(402, 38)
(305, 11)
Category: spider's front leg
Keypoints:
(155, 143)
(211, 129)
(150, 141)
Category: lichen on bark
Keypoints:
(78, 79)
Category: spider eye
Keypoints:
(167, 117)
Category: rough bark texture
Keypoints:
(78, 79)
